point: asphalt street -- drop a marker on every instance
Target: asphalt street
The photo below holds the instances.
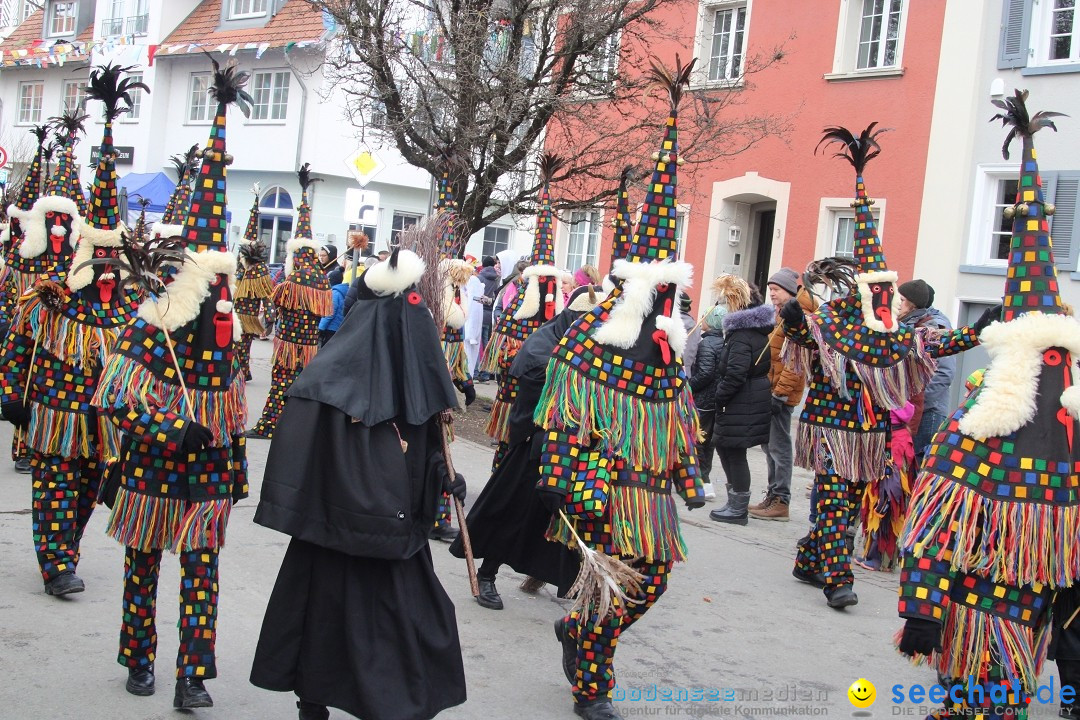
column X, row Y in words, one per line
column 735, row 635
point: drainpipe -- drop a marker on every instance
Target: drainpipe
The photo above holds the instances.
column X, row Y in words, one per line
column 303, row 116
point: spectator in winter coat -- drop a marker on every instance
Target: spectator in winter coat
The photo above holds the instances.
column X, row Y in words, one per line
column 787, row 390
column 330, row 324
column 703, row 385
column 742, row 393
column 693, row 334
column 916, row 300
column 491, row 276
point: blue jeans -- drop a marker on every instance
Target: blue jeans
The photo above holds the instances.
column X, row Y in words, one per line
column 928, row 427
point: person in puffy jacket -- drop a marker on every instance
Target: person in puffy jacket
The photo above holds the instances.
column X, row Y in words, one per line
column 742, row 393
column 329, row 325
column 703, row 384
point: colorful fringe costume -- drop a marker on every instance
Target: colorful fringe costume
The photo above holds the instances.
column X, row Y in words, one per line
column 860, row 363
column 884, row 502
column 253, row 288
column 63, row 333
column 617, row 407
column 172, row 388
column 992, row 529
column 300, row 300
column 539, row 299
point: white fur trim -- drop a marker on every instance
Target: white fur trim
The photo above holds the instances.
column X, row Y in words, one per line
column 582, row 303
column 163, row 230
column 385, row 280
column 34, row 239
column 180, row 303
column 542, row 271
column 864, row 280
column 57, row 203
column 675, row 330
column 638, row 293
column 1006, row 401
column 89, row 238
column 292, row 246
column 1070, row 399
column 223, row 306
column 35, row 235
column 607, row 285
column 530, row 305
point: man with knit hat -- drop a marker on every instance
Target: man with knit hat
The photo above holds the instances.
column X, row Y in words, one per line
column 787, row 390
column 65, row 329
column 173, row 388
column 301, row 300
column 932, row 407
column 620, row 428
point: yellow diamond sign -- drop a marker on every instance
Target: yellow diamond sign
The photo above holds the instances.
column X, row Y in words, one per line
column 364, row 164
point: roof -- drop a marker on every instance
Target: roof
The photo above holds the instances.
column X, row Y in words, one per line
column 296, row 23
column 25, row 46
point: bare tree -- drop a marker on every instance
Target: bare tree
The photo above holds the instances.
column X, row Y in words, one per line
column 475, row 86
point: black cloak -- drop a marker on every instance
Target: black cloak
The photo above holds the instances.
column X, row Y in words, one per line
column 357, row 619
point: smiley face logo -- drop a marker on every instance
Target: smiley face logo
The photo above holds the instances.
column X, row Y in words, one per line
column 862, row 693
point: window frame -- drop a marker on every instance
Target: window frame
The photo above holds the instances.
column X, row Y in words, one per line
column 35, row 113
column 52, row 7
column 592, row 221
column 704, row 36
column 81, row 95
column 136, row 100
column 987, row 178
column 882, row 40
column 848, row 40
column 395, row 232
column 484, row 242
column 271, row 103
column 203, row 77
column 1038, row 38
column 243, row 15
column 604, row 62
column 830, row 210
column 733, row 9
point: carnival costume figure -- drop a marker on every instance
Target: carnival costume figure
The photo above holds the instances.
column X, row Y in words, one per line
column 253, row 287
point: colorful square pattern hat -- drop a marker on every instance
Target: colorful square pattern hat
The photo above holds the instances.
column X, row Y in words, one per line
column 171, row 222
column 305, row 286
column 20, row 211
column 446, row 204
column 251, row 230
column 622, row 224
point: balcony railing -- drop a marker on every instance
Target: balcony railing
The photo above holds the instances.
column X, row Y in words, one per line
column 134, row 25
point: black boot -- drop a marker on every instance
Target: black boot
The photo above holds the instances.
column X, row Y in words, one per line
column 140, row 681
column 841, row 597
column 735, row 512
column 312, row 711
column 815, row 579
column 569, row 650
column 190, row 693
column 597, row 710
column 65, row 583
column 489, row 596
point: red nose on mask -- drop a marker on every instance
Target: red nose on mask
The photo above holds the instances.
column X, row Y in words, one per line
column 223, row 324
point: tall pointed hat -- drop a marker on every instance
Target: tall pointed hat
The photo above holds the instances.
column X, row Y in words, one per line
column 623, row 223
column 1031, row 283
column 64, row 182
column 305, row 286
column 251, row 230
column 171, row 222
column 19, row 210
column 446, row 204
column 205, row 224
column 543, row 248
column 59, row 212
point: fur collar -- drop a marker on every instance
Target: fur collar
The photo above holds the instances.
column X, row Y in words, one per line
column 758, row 317
column 383, row 280
column 623, row 325
column 530, row 304
column 180, row 303
column 1006, row 400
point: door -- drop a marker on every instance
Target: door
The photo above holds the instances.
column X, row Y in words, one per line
column 763, row 251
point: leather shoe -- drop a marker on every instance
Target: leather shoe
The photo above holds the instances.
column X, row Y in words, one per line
column 312, row 711
column 569, row 650
column 842, row 597
column 65, row 583
column 140, row 681
column 489, row 596
column 815, row 579
column 256, row 435
column 22, row 466
column 445, row 533
column 599, row 710
column 190, row 693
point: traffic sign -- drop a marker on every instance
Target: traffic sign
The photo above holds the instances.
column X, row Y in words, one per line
column 362, row 207
column 364, row 165
column 3, row 157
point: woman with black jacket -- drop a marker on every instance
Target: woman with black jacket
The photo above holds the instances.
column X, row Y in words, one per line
column 742, row 392
column 702, row 384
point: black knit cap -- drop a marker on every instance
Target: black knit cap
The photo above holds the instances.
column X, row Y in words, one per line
column 918, row 293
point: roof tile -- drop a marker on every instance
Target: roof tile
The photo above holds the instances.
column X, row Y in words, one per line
column 296, row 21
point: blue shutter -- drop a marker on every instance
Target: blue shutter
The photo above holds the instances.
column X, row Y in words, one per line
column 1063, row 189
column 1015, row 28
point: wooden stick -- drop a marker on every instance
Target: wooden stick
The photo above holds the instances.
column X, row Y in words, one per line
column 179, row 373
column 445, row 419
column 29, row 372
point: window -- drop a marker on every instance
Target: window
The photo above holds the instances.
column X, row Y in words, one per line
column 728, row 43
column 879, row 34
column 869, row 39
column 401, row 223
column 601, row 65
column 114, row 23
column 583, row 237
column 199, row 109
column 996, row 188
column 28, row 9
column 74, row 95
column 1045, row 34
column 247, row 8
column 370, row 230
column 30, row 95
column 844, row 236
column 271, row 94
column 276, row 222
column 139, row 23
column 496, row 239
column 836, row 226
column 136, row 98
column 62, row 18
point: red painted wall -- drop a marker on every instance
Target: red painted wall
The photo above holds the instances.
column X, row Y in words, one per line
column 807, row 31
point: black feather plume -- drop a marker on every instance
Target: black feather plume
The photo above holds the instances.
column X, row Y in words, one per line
column 857, row 150
column 254, row 252
column 228, row 86
column 41, row 132
column 69, row 125
column 304, row 173
column 108, row 86
column 550, row 163
column 836, row 272
column 1018, row 121
column 671, row 82
column 144, row 262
